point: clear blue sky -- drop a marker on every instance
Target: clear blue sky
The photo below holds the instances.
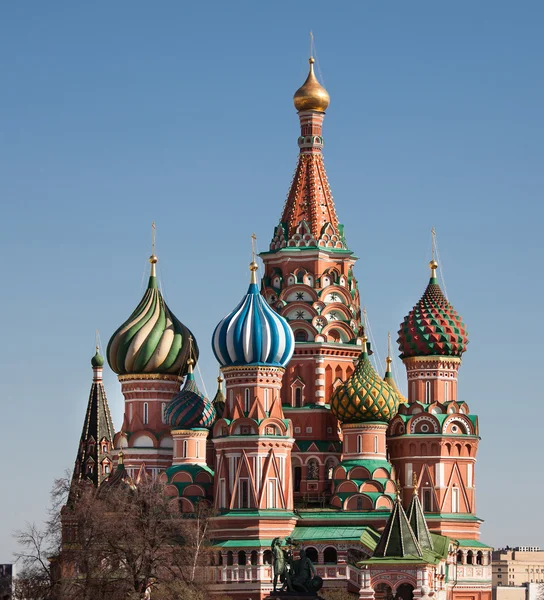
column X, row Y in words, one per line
column 114, row 114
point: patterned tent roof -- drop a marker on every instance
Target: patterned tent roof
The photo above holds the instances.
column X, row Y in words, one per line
column 190, row 409
column 432, row 327
column 398, row 539
column 151, row 340
column 365, row 396
column 253, row 333
column 416, row 517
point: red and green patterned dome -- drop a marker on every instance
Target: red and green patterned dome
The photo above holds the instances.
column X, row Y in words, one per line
column 432, row 327
column 364, row 396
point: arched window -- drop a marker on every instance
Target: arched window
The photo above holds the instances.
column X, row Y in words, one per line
column 146, row 413
column 301, row 336
column 311, row 553
column 230, row 558
column 219, row 558
column 459, row 557
column 330, row 555
column 359, row 504
column 246, row 400
column 313, row 470
column 254, row 557
column 470, row 557
column 242, row 559
column 298, row 396
column 480, row 558
column 427, row 392
column 267, row 557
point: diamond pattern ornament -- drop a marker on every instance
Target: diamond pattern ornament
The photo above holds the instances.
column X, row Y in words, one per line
column 365, row 396
column 432, row 327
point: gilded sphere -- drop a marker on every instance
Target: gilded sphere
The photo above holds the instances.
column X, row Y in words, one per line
column 311, row 95
column 433, row 264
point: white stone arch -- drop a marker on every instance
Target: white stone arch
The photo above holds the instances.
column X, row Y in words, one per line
column 460, row 421
column 434, row 426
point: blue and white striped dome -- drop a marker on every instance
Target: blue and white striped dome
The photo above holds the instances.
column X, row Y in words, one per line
column 253, row 334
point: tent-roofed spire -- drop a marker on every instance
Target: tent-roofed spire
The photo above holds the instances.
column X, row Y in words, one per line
column 93, row 461
column 397, row 539
column 417, row 521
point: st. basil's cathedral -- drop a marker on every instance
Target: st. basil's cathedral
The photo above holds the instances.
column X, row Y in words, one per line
column 307, row 441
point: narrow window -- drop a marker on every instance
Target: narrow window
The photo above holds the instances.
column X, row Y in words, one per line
column 106, row 468
column 246, row 400
column 231, row 399
column 185, row 449
column 446, row 392
column 198, row 449
column 413, row 398
column 146, row 413
column 427, row 501
column 266, row 400
column 244, row 494
column 427, row 392
column 272, row 493
column 359, row 444
column 454, row 500
column 163, row 412
column 223, row 493
column 130, row 412
column 375, row 444
column 298, row 396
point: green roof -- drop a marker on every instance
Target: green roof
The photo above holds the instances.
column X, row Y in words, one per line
column 242, row 544
column 321, row 445
column 472, row 544
column 305, row 534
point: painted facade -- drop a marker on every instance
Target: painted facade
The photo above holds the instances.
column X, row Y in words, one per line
column 308, row 440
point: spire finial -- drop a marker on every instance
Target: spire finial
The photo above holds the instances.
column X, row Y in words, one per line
column 311, row 47
column 388, row 359
column 190, row 360
column 365, row 337
column 398, row 490
column 219, row 381
column 433, row 264
column 120, row 458
column 153, row 259
column 253, row 267
column 414, row 483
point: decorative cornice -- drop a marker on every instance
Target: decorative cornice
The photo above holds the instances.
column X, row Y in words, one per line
column 150, row 376
column 433, row 358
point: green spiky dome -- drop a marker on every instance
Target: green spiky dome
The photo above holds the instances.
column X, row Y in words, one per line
column 432, row 327
column 364, row 396
column 152, row 339
column 97, row 360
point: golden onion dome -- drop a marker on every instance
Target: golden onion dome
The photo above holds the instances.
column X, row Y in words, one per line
column 311, row 95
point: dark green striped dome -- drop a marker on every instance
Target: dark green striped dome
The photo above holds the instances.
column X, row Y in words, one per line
column 152, row 339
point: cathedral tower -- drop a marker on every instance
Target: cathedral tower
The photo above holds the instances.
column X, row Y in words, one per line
column 434, row 438
column 253, row 439
column 149, row 353
column 309, row 281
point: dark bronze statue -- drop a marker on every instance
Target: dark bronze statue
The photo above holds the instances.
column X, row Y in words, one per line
column 294, row 575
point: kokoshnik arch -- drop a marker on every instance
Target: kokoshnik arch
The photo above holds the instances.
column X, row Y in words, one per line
column 307, row 440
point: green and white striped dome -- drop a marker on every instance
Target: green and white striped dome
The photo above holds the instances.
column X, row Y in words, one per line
column 152, row 339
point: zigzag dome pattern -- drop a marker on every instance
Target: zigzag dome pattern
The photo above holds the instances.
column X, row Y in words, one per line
column 432, row 327
column 253, row 333
column 190, row 409
column 152, row 339
column 364, row 396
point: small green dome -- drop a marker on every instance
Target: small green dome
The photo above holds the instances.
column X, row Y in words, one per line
column 97, row 360
column 364, row 396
